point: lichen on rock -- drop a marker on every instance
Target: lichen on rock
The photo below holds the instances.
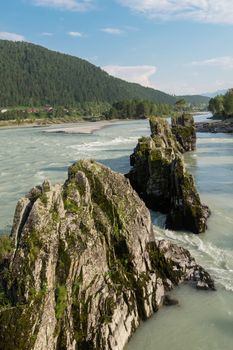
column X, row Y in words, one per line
column 86, row 268
column 161, row 179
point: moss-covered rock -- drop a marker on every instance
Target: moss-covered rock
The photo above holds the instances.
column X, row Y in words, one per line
column 86, row 268
column 160, row 178
column 183, row 127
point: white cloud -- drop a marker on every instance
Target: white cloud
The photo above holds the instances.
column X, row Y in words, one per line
column 174, row 84
column 11, row 36
column 75, row 34
column 71, row 5
column 211, row 11
column 224, row 62
column 133, row 74
column 110, row 30
column 46, row 34
column 198, row 86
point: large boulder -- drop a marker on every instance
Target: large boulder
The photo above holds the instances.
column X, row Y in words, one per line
column 159, row 176
column 86, row 268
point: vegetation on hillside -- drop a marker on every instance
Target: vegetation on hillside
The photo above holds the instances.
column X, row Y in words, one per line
column 33, row 76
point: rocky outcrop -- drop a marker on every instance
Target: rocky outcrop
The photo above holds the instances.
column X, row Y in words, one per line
column 161, row 179
column 221, row 126
column 183, row 127
column 86, row 268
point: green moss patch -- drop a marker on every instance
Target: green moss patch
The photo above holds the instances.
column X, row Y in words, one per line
column 61, row 301
column 6, row 247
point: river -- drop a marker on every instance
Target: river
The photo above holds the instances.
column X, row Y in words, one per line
column 203, row 320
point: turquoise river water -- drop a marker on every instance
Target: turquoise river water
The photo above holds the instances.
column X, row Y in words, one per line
column 203, row 320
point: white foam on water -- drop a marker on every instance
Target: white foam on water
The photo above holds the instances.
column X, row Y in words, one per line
column 95, row 145
column 40, row 175
column 214, row 140
column 218, row 261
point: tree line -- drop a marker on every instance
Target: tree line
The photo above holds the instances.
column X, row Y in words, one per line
column 126, row 109
column 137, row 109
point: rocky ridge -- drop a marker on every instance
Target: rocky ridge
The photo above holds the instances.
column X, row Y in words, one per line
column 159, row 175
column 86, row 268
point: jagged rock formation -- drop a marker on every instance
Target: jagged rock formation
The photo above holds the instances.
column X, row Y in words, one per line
column 86, row 268
column 160, row 178
column 183, row 127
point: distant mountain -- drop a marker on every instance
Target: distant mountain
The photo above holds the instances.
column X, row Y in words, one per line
column 196, row 99
column 215, row 93
column 31, row 75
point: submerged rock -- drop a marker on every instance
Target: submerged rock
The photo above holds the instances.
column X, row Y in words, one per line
column 161, row 179
column 168, row 301
column 183, row 127
column 86, row 268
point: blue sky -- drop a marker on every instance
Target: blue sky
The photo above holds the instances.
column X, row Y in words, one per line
column 178, row 46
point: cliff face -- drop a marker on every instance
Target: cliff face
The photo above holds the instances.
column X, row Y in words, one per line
column 86, row 268
column 183, row 127
column 160, row 178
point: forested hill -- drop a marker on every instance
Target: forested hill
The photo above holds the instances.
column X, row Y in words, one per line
column 31, row 75
column 196, row 99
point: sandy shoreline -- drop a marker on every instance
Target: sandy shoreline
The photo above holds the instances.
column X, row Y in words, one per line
column 83, row 127
column 89, row 128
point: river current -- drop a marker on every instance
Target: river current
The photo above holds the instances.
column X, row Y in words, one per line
column 203, row 320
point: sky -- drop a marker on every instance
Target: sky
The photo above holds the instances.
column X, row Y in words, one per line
column 177, row 46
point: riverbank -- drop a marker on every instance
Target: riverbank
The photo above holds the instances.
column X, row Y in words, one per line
column 29, row 123
column 94, row 124
column 43, row 122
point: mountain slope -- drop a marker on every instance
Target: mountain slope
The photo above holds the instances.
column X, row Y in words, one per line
column 215, row 93
column 196, row 99
column 33, row 75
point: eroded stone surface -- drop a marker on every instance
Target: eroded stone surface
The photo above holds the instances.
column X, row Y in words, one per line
column 161, row 179
column 86, row 269
column 183, row 127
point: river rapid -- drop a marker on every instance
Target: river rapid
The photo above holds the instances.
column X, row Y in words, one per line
column 203, row 320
